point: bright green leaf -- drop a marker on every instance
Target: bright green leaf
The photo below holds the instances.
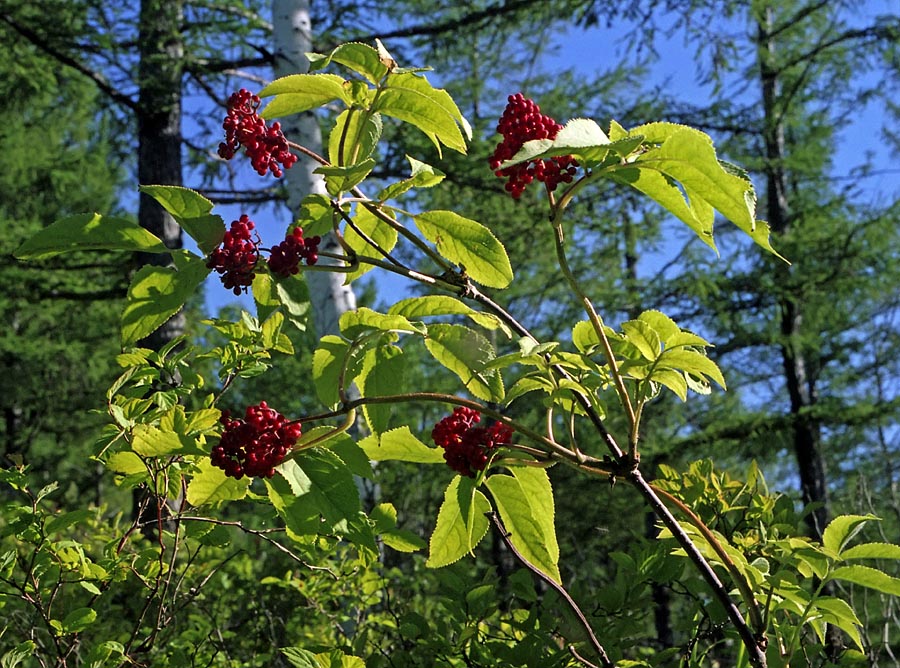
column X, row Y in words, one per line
column 211, row 485
column 382, row 374
column 157, row 293
column 301, row 92
column 842, row 529
column 89, row 231
column 354, row 137
column 525, row 503
column 468, row 244
column 872, row 551
column 422, row 176
column 866, row 576
column 464, row 352
column 375, row 230
column 400, row 445
column 360, row 58
column 362, row 320
column 149, row 441
column 412, row 99
column 461, row 523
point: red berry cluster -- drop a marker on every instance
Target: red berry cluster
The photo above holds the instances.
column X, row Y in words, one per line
column 236, row 257
column 523, row 121
column 467, row 448
column 266, row 146
column 256, row 444
column 284, row 259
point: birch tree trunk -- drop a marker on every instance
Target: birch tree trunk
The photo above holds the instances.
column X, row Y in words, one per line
column 292, row 34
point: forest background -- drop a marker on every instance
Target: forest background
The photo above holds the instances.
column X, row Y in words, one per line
column 810, row 351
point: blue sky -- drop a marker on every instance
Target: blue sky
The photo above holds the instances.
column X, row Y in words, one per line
column 592, row 51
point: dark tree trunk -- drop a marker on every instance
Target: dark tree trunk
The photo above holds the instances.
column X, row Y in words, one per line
column 801, row 387
column 159, row 163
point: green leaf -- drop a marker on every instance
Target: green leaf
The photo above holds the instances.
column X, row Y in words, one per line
column 469, row 244
column 525, row 503
column 360, row 58
column 872, row 551
column 211, row 485
column 328, row 362
column 301, row 92
column 666, row 193
column 294, row 297
column 838, row 612
column 331, row 487
column 298, row 657
column 355, row 323
column 842, row 529
column 400, row 445
column 412, row 99
column 580, row 137
column 433, row 305
column 643, row 337
column 461, row 523
column 78, row 620
column 866, row 576
column 691, row 362
column 89, row 231
column 149, row 441
column 422, row 176
column 688, row 156
column 403, row 540
column 354, row 137
column 383, row 372
column 17, row 654
column 126, row 463
column 375, row 229
column 464, row 352
column 342, row 179
column 157, row 293
column 316, row 215
column 180, row 202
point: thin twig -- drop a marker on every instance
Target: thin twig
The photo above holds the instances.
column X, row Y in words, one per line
column 559, row 589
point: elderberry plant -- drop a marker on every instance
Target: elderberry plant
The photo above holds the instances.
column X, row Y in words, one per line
column 747, row 593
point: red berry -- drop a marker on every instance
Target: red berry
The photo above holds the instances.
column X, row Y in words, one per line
column 284, row 259
column 266, row 146
column 236, row 257
column 256, row 444
column 467, row 448
column 523, row 121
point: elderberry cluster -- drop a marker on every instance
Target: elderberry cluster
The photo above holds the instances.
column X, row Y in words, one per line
column 523, row 121
column 266, row 146
column 467, row 448
column 284, row 258
column 255, row 444
column 236, row 257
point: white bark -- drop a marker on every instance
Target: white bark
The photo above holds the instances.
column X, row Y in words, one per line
column 292, row 34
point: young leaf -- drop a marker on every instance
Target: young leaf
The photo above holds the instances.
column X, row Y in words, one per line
column 360, row 58
column 301, row 92
column 400, row 445
column 342, row 179
column 464, row 352
column 469, row 244
column 422, row 176
column 156, row 293
column 89, row 231
column 525, row 503
column 461, row 523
